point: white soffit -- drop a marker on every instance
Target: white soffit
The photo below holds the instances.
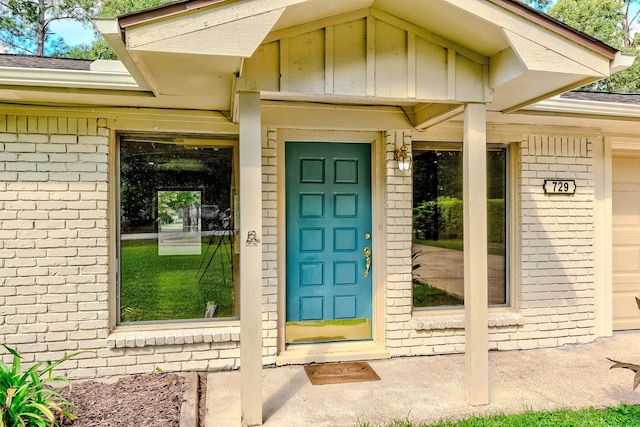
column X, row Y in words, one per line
column 317, row 10
column 238, row 38
column 528, row 71
column 536, row 57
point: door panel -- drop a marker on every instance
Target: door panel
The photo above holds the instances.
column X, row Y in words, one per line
column 626, row 241
column 328, row 227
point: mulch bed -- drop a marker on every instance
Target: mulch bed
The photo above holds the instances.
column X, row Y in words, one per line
column 152, row 400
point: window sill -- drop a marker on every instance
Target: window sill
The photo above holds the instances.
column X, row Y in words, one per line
column 456, row 321
column 127, row 337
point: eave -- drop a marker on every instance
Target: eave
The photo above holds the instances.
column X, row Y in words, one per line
column 575, row 107
column 91, row 79
column 191, row 54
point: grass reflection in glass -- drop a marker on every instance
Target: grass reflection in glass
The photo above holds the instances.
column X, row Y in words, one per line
column 174, row 287
column 425, row 295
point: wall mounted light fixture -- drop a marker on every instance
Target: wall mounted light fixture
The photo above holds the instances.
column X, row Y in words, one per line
column 403, row 157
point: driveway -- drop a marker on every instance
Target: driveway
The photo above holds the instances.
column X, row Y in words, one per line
column 444, row 269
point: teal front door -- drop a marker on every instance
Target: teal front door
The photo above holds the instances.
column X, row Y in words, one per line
column 328, row 214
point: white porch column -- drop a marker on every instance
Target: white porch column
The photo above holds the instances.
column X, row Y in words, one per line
column 250, row 259
column 475, row 254
column 603, row 241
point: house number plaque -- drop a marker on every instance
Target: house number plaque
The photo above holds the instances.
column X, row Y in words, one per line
column 559, row 186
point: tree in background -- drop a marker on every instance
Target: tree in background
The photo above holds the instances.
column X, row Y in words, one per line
column 609, row 21
column 99, row 49
column 539, row 4
column 24, row 24
column 113, row 8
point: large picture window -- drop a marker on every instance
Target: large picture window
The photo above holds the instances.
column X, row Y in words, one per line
column 176, row 241
column 437, row 249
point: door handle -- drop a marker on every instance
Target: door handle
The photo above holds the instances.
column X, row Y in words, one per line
column 367, row 258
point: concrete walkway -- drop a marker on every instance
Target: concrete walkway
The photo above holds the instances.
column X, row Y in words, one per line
column 425, row 389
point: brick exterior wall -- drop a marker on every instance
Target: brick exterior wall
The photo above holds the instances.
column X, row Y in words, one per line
column 53, row 237
column 54, row 257
column 553, row 299
column 54, row 265
column 557, row 292
column 269, row 248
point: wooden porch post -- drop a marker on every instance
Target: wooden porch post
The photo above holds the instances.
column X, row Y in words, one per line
column 250, row 259
column 475, row 254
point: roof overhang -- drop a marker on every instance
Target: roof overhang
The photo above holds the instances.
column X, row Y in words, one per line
column 188, row 54
column 107, row 75
column 568, row 107
column 531, row 57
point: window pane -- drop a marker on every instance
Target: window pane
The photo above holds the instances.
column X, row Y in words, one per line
column 176, row 241
column 497, row 225
column 437, row 250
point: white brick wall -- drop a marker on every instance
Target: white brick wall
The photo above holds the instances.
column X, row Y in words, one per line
column 269, row 248
column 557, row 292
column 555, row 303
column 54, row 266
column 398, row 213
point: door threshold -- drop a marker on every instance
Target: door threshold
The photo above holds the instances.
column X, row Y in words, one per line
column 298, row 354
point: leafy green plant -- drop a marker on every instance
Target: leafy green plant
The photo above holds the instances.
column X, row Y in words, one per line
column 631, row 366
column 27, row 398
column 131, row 314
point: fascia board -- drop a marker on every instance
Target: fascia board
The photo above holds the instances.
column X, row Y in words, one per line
column 67, row 78
column 110, row 30
column 622, row 61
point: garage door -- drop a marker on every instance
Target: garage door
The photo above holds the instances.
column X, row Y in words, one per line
column 626, row 241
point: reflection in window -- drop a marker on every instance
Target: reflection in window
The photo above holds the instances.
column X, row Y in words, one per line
column 437, row 250
column 179, row 223
column 177, row 259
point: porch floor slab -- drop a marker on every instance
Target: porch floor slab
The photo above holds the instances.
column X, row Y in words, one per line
column 430, row 388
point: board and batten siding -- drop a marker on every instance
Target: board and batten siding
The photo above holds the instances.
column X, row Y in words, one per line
column 374, row 55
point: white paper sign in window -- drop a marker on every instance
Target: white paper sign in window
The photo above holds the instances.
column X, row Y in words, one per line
column 179, row 224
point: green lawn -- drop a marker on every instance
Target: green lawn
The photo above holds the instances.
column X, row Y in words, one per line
column 425, row 295
column 169, row 287
column 618, row 416
column 446, row 244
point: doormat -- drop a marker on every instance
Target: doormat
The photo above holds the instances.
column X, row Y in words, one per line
column 336, row 373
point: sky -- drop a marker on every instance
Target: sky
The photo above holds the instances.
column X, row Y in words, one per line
column 73, row 32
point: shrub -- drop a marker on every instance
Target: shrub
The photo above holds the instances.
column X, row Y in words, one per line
column 27, row 398
column 451, row 221
column 443, row 219
column 496, row 225
column 425, row 220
